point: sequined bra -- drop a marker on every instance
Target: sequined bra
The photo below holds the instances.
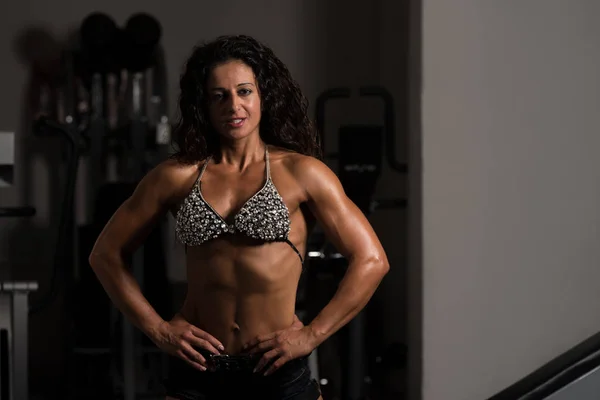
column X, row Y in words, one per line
column 264, row 216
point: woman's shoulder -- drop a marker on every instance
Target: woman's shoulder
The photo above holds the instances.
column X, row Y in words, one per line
column 287, row 156
column 174, row 176
column 174, row 169
column 296, row 163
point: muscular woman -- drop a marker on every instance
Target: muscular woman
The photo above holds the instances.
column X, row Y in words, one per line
column 244, row 186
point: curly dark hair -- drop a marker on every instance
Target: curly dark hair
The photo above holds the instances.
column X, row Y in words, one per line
column 284, row 121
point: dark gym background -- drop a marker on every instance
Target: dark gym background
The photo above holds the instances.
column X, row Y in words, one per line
column 325, row 44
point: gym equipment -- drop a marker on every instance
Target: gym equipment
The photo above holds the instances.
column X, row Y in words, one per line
column 388, row 117
column 99, row 54
column 60, row 269
column 113, row 112
column 7, row 158
column 129, row 122
column 14, row 302
column 360, row 162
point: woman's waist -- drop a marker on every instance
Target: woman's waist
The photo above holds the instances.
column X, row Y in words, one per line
column 236, row 321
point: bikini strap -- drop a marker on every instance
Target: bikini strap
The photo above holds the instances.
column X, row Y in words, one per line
column 267, row 161
column 288, row 241
column 202, row 171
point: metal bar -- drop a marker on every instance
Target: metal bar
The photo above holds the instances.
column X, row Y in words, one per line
column 130, row 336
column 96, row 132
column 128, row 361
column 357, row 359
column 4, row 365
column 18, row 356
column 20, row 314
column 138, row 140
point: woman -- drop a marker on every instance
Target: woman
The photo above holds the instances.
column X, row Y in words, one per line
column 244, row 187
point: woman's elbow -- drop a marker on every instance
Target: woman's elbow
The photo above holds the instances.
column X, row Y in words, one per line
column 101, row 257
column 382, row 266
column 377, row 266
column 96, row 259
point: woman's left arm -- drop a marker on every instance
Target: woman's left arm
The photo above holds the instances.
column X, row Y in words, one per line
column 351, row 233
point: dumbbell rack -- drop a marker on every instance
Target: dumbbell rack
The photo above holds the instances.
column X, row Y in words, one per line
column 101, row 49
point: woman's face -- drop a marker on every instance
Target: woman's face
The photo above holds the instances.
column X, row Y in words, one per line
column 234, row 101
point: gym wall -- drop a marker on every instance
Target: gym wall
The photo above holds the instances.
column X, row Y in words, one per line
column 324, row 43
column 511, row 188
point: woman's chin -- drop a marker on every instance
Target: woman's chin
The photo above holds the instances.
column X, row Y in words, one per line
column 236, row 134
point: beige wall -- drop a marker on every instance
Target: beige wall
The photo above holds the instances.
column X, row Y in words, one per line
column 511, row 187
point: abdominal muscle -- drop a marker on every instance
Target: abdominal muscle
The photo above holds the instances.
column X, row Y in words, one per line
column 237, row 291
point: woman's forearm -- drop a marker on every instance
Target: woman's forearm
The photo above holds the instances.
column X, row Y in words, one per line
column 354, row 292
column 124, row 291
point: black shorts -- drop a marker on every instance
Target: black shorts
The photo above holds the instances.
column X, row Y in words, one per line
column 232, row 378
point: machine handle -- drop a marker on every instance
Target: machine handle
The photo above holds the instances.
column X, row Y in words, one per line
column 45, row 126
column 322, row 99
column 389, row 125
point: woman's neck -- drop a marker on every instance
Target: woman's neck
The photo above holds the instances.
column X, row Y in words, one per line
column 241, row 153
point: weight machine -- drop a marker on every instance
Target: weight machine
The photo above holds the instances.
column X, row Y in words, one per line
column 16, row 309
column 361, row 149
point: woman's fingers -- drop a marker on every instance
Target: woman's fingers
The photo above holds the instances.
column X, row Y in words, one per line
column 197, row 332
column 203, row 344
column 192, row 353
column 192, row 356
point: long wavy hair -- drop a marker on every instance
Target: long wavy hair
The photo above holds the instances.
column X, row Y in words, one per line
column 284, row 119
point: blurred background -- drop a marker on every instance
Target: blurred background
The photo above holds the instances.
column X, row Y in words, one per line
column 466, row 131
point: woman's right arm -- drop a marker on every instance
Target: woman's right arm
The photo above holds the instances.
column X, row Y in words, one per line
column 121, row 237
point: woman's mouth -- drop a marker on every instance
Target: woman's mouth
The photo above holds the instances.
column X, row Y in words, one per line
column 235, row 123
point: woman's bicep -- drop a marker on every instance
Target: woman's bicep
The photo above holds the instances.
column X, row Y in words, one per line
column 135, row 218
column 343, row 222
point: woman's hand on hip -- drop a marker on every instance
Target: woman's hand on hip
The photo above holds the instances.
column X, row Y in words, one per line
column 279, row 347
column 178, row 337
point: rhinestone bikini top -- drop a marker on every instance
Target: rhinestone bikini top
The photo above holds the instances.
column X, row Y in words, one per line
column 264, row 216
